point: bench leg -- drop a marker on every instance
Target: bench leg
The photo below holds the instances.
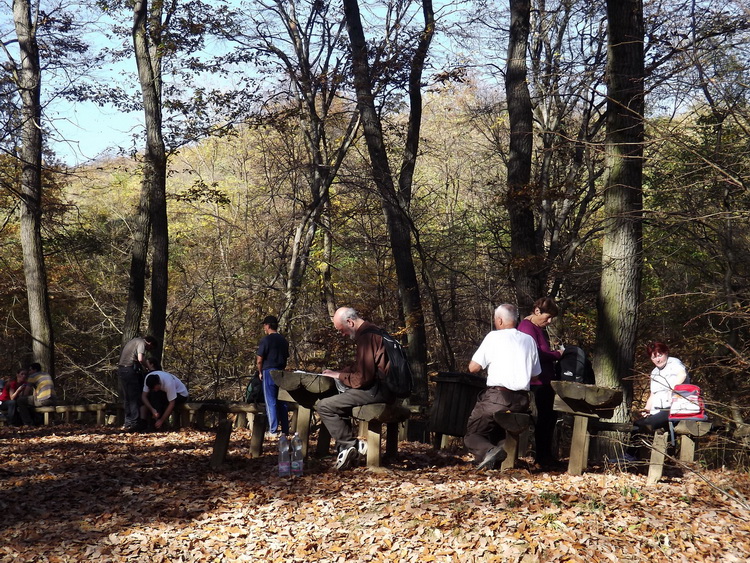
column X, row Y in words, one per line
column 687, row 448
column 392, row 435
column 241, row 420
column 579, row 446
column 304, row 417
column 511, row 449
column 221, row 444
column 373, row 443
column 256, row 438
column 100, row 417
column 656, row 463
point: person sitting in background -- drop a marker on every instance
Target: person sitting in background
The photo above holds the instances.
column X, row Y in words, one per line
column 43, row 393
column 512, row 361
column 162, row 392
column 667, row 373
column 358, row 384
column 13, row 389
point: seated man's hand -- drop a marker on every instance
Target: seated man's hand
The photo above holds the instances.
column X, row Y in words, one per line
column 331, row 373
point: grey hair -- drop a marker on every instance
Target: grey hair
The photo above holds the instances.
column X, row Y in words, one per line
column 507, row 312
column 347, row 313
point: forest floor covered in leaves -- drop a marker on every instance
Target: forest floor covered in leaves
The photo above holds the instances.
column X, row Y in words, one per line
column 72, row 493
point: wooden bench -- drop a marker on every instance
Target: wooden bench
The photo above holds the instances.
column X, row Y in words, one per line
column 66, row 412
column 371, row 419
column 686, row 430
column 515, row 425
column 193, row 414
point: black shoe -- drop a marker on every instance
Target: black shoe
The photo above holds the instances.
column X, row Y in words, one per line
column 347, row 458
column 493, row 456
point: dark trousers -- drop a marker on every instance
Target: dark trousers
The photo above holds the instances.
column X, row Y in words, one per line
column 482, row 432
column 645, row 427
column 336, row 411
column 132, row 387
column 10, row 407
column 544, row 427
column 159, row 401
column 26, row 406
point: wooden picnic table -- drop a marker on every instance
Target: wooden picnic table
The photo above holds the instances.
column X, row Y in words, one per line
column 584, row 402
column 305, row 388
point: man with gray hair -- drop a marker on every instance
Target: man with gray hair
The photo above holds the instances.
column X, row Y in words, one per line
column 359, row 384
column 512, row 360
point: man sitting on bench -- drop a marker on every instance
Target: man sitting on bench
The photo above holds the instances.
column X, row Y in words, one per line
column 512, row 360
column 358, row 384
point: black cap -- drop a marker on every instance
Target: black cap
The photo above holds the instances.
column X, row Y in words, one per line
column 270, row 320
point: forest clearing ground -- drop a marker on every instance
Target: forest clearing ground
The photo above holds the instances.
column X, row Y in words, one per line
column 72, row 493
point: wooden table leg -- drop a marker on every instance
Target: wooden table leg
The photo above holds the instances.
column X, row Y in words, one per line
column 304, row 417
column 579, row 446
column 656, row 463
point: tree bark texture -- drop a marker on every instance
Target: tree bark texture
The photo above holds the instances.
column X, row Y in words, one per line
column 395, row 206
column 619, row 293
column 527, row 262
column 152, row 212
column 29, row 77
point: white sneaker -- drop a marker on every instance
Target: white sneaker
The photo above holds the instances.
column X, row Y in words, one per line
column 362, row 447
column 346, row 458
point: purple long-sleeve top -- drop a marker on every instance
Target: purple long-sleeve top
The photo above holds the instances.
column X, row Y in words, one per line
column 547, row 356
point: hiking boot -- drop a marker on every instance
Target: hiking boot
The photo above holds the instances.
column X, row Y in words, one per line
column 346, row 458
column 493, row 456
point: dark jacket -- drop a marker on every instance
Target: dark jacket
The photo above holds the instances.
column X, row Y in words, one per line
column 371, row 359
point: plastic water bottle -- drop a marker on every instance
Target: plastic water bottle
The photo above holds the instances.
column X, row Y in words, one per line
column 297, row 463
column 284, row 465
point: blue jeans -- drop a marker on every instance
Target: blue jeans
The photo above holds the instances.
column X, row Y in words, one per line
column 277, row 411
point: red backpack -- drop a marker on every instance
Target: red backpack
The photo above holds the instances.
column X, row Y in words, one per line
column 687, row 403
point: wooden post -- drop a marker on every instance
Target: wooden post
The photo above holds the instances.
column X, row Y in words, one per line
column 373, row 442
column 221, row 444
column 256, row 438
column 579, row 446
column 656, row 463
column 304, row 416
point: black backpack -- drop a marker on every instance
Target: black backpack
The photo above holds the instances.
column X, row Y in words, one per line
column 398, row 376
column 254, row 391
column 575, row 366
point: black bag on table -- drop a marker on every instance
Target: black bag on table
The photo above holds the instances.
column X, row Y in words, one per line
column 575, row 366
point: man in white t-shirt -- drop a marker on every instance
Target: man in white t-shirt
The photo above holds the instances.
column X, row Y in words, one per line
column 162, row 392
column 512, row 360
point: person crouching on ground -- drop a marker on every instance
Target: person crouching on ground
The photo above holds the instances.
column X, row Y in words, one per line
column 512, row 360
column 162, row 393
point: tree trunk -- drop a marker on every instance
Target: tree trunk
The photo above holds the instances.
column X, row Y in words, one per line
column 29, row 77
column 526, row 258
column 395, row 206
column 619, row 292
column 148, row 60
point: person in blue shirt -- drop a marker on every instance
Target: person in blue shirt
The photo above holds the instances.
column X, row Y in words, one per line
column 273, row 352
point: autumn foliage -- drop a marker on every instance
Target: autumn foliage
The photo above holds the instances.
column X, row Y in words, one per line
column 95, row 494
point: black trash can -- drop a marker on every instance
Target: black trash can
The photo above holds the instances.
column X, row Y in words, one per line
column 455, row 397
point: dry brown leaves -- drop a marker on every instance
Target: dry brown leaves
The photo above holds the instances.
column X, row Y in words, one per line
column 75, row 494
